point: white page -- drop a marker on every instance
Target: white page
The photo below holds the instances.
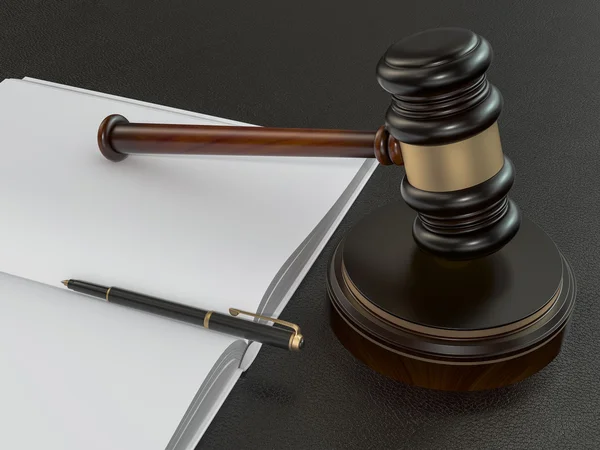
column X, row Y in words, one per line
column 78, row 373
column 207, row 231
column 202, row 118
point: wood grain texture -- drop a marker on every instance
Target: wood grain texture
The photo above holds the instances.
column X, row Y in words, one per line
column 448, row 326
column 439, row 376
column 117, row 135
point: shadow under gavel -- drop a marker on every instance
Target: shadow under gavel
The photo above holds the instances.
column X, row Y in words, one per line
column 118, row 138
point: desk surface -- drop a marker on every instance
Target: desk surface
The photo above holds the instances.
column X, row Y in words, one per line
column 311, row 63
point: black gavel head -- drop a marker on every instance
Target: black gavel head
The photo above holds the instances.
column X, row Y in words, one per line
column 444, row 113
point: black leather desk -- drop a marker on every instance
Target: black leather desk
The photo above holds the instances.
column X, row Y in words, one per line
column 311, row 63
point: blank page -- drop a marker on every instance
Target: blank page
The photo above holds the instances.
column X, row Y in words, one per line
column 206, row 231
column 78, row 373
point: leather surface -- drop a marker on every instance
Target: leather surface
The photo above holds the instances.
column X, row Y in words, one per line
column 312, row 64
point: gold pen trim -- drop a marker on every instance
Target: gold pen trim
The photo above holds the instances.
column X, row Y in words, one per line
column 296, row 338
column 207, row 318
column 108, row 292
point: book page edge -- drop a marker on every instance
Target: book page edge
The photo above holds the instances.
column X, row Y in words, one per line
column 208, row 400
column 222, row 120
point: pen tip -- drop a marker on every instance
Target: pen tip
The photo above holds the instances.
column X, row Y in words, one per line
column 65, row 282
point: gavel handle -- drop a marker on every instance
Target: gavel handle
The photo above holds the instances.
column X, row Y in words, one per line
column 118, row 138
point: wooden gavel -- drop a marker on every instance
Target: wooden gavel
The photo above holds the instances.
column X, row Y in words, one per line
column 441, row 126
column 117, row 138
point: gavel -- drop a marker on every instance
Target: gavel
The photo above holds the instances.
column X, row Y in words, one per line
column 479, row 296
column 441, row 126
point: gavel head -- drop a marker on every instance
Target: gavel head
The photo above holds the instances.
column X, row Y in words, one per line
column 444, row 113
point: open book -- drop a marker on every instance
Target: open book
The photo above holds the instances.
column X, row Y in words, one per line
column 208, row 231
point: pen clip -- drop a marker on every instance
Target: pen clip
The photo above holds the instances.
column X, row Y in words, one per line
column 296, row 340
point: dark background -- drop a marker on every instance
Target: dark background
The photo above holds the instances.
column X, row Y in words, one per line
column 311, row 63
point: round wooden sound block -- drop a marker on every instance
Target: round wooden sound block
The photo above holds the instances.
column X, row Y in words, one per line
column 448, row 325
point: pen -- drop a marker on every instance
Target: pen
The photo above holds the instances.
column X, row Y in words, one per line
column 288, row 338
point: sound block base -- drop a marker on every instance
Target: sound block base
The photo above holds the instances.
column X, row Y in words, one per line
column 458, row 326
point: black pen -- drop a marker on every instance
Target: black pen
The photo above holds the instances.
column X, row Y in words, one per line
column 288, row 338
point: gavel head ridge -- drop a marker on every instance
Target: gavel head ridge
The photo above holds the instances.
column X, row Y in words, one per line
column 444, row 114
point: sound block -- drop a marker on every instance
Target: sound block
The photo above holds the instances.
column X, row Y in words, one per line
column 448, row 325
